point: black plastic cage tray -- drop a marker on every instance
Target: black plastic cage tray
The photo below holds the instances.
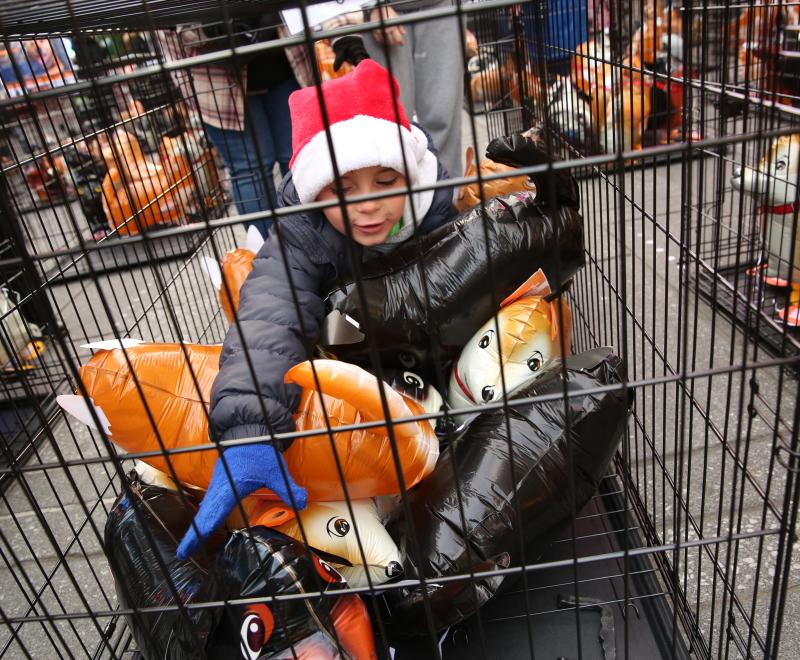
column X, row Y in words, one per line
column 753, row 305
column 544, row 616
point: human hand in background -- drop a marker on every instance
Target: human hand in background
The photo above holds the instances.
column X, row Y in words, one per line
column 391, row 35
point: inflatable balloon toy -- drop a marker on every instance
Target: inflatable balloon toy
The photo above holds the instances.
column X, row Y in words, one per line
column 775, row 182
column 234, row 269
column 190, row 169
column 141, row 537
column 166, row 377
column 545, row 440
column 555, row 186
column 622, row 106
column 470, row 193
column 326, row 58
column 137, row 193
column 570, row 115
column 512, row 348
column 451, row 265
column 591, row 65
column 357, row 546
column 166, row 373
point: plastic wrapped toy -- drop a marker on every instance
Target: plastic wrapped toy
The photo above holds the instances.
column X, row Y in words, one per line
column 539, row 435
column 451, row 265
column 166, row 374
column 261, row 563
column 529, row 338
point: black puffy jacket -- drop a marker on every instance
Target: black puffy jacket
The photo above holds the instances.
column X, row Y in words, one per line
column 276, row 336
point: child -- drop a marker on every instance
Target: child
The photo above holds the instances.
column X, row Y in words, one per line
column 249, row 398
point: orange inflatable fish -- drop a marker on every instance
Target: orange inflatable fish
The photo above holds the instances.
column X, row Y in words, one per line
column 234, row 269
column 175, row 382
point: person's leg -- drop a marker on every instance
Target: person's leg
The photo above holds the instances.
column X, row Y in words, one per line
column 240, row 156
column 276, row 105
column 438, row 86
column 265, row 174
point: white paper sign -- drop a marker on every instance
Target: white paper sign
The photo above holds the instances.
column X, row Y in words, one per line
column 317, row 13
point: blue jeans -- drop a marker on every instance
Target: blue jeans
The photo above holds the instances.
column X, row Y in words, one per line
column 269, row 128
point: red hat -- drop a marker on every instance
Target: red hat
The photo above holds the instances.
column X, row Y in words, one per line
column 364, row 128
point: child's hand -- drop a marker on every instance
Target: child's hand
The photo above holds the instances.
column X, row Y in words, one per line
column 251, row 467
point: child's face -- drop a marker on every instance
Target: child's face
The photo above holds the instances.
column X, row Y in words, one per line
column 372, row 220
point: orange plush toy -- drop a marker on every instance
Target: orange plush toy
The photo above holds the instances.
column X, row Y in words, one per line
column 174, row 381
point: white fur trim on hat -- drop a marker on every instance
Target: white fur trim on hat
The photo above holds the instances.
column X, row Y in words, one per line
column 427, row 174
column 361, row 141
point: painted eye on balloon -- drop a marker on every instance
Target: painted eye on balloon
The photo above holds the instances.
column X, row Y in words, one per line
column 535, row 361
column 257, row 627
column 410, row 378
column 483, row 342
column 338, row 527
column 326, row 571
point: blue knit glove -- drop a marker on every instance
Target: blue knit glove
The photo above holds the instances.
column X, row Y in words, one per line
column 251, row 467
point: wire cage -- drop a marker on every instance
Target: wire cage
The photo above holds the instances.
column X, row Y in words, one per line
column 635, row 496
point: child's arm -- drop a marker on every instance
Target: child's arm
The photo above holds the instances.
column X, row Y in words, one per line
column 276, row 339
column 249, row 398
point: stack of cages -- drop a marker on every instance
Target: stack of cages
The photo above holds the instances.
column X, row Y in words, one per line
column 564, row 425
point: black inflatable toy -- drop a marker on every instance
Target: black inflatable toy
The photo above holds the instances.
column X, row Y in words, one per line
column 528, row 149
column 524, row 232
column 488, row 535
column 451, row 264
column 243, row 564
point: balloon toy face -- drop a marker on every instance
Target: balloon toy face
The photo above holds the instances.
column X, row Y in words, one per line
column 412, row 385
column 257, row 565
column 257, row 626
column 512, row 350
column 330, row 528
column 776, row 175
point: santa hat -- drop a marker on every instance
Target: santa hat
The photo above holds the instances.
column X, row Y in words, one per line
column 364, row 123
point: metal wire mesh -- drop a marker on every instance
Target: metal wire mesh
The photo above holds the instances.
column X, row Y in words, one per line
column 685, row 548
